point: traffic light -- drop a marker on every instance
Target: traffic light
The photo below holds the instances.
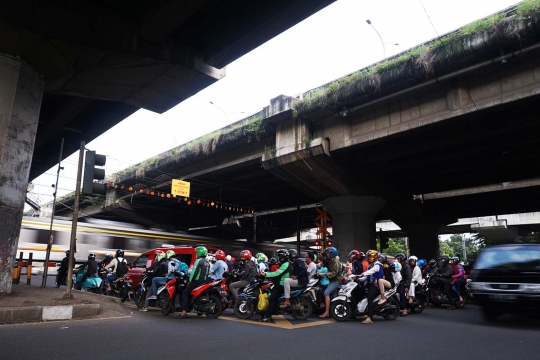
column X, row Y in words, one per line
column 328, row 243
column 91, row 172
column 317, row 243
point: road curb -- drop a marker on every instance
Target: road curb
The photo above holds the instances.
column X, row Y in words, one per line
column 47, row 313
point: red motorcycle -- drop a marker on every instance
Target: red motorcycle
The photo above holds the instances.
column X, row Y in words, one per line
column 206, row 299
column 171, row 291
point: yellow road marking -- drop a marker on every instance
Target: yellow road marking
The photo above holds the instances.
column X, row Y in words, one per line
column 279, row 322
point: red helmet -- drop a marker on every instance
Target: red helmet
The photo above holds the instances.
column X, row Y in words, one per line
column 354, row 255
column 220, row 255
column 245, row 254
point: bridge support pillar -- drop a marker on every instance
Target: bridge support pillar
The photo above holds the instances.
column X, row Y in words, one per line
column 21, row 91
column 423, row 239
column 353, row 222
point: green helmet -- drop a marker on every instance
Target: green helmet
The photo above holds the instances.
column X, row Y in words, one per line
column 159, row 255
column 201, row 251
column 261, row 257
column 169, row 253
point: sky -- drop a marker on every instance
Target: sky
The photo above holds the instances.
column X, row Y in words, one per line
column 332, row 43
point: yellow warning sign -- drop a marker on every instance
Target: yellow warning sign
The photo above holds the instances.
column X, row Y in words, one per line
column 180, row 188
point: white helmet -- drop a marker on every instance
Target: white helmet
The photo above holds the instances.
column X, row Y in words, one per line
column 413, row 258
column 108, row 253
column 228, row 257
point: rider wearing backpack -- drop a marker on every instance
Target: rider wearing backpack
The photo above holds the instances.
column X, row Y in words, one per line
column 119, row 265
column 198, row 276
column 298, row 277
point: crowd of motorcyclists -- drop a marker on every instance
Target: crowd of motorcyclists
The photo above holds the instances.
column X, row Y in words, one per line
column 376, row 273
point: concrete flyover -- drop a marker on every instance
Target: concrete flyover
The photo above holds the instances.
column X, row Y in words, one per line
column 459, row 112
column 74, row 69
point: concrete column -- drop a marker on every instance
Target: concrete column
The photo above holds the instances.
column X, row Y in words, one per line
column 423, row 239
column 21, row 91
column 353, row 222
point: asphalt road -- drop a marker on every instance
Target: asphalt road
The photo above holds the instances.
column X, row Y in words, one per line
column 436, row 333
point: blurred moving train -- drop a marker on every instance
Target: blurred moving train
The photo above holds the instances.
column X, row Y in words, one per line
column 100, row 236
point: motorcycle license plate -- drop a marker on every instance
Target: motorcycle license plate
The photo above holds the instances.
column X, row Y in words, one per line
column 502, row 297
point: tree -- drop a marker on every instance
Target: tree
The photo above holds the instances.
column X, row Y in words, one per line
column 395, row 245
column 454, row 246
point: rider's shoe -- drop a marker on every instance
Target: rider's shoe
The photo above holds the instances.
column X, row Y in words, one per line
column 144, row 309
column 265, row 319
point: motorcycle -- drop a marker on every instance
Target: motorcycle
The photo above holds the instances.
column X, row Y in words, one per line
column 420, row 299
column 352, row 301
column 206, row 298
column 227, row 299
column 302, row 300
column 91, row 284
column 120, row 286
column 435, row 292
column 168, row 294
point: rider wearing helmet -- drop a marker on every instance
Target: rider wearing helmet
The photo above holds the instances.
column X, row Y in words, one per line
column 261, row 262
column 220, row 266
column 458, row 276
column 91, row 267
column 119, row 265
column 374, row 274
column 249, row 274
column 298, row 277
column 387, row 282
column 62, row 270
column 445, row 274
column 405, row 283
column 431, row 268
column 198, row 276
column 228, row 260
column 273, row 264
column 107, row 259
column 282, row 273
column 334, row 275
column 161, row 268
column 416, row 276
column 357, row 267
column 395, row 268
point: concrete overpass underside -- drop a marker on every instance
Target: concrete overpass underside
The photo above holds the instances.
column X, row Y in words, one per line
column 369, row 144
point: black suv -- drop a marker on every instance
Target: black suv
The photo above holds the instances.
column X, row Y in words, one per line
column 506, row 279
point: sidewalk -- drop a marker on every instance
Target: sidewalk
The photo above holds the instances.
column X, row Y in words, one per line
column 30, row 303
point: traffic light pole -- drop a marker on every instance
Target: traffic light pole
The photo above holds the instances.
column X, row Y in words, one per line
column 51, row 234
column 69, row 279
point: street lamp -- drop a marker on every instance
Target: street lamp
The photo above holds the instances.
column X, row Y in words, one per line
column 380, row 37
column 225, row 114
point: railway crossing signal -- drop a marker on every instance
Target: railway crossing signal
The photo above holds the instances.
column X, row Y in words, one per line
column 323, row 223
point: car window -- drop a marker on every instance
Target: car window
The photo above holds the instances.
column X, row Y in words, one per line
column 516, row 258
column 185, row 258
column 141, row 261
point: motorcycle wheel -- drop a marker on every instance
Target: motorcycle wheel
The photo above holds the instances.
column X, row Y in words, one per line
column 166, row 305
column 124, row 292
column 305, row 311
column 418, row 309
column 395, row 311
column 434, row 300
column 340, row 310
column 217, row 308
column 138, row 297
column 244, row 309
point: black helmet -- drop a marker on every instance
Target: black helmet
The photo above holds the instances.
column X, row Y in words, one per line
column 400, row 256
column 444, row 260
column 273, row 261
column 362, row 256
column 68, row 252
column 383, row 258
column 455, row 259
column 282, row 255
column 91, row 256
column 119, row 253
column 293, row 254
column 432, row 262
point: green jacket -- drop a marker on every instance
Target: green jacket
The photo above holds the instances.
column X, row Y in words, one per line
column 283, row 270
column 199, row 273
column 334, row 270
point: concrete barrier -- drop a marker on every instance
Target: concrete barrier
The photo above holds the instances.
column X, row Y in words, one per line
column 47, row 313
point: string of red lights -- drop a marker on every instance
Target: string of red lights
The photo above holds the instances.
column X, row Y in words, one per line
column 187, row 200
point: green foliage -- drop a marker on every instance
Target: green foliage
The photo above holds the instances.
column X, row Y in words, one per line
column 174, row 151
column 395, row 245
column 454, row 246
column 528, row 8
column 482, row 24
